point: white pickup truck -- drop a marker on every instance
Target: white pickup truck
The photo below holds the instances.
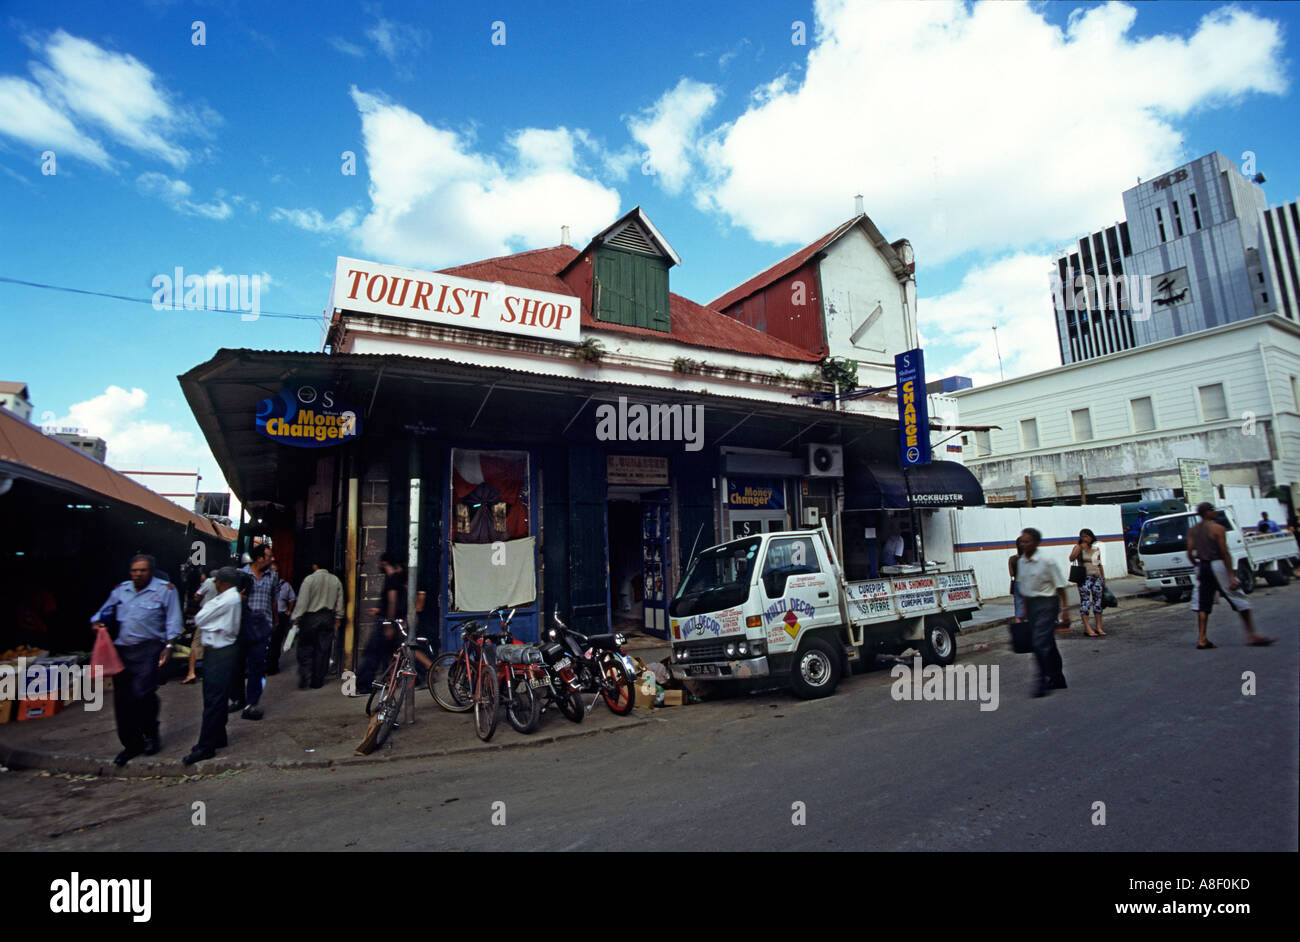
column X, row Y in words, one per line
column 1162, row 549
column 776, row 605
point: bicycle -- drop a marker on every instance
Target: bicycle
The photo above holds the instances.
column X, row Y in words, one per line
column 388, row 695
column 481, row 676
column 517, row 672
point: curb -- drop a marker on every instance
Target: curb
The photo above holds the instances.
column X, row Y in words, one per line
column 16, row 758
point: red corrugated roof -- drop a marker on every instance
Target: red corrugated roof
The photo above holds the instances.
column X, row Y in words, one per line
column 26, row 447
column 779, row 270
column 692, row 324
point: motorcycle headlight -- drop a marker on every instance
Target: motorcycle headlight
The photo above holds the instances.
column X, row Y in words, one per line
column 552, row 634
column 620, row 638
column 731, row 649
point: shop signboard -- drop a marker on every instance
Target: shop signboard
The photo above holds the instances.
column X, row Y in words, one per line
column 1194, row 475
column 389, row 291
column 913, row 409
column 643, row 470
column 307, row 417
column 750, row 493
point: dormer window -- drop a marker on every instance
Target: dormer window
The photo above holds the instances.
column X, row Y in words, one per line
column 631, row 262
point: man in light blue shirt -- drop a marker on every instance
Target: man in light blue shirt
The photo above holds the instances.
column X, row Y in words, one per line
column 147, row 613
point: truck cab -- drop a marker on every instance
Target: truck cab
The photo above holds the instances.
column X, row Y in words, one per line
column 1162, row 549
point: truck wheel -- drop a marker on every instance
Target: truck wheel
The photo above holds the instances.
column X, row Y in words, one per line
column 816, row 670
column 939, row 646
column 1279, row 576
column 1246, row 576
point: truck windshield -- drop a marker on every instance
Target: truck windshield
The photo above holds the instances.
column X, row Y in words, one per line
column 718, row 578
column 1164, row 536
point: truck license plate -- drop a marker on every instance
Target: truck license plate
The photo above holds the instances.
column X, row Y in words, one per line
column 1183, row 580
column 695, row 670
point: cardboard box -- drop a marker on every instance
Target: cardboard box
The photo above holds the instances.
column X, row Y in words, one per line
column 674, row 698
column 39, row 708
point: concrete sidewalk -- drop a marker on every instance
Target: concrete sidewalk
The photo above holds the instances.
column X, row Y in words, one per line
column 301, row 728
column 321, row 728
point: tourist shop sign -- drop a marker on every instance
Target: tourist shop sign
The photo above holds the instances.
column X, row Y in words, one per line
column 388, row 291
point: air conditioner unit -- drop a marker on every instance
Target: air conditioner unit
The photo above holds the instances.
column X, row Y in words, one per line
column 826, row 461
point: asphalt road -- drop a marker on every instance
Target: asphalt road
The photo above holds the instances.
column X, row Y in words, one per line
column 1160, row 733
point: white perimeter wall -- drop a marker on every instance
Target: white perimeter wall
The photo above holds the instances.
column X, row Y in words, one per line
column 1247, row 510
column 981, row 538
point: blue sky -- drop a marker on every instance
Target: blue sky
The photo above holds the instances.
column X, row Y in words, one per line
column 988, row 135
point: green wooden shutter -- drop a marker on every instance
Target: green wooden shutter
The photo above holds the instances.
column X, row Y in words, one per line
column 633, row 289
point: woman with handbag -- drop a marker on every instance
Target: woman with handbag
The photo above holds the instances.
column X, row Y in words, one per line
column 1086, row 572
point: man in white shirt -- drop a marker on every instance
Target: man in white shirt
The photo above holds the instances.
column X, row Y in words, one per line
column 206, row 591
column 219, row 621
column 1041, row 584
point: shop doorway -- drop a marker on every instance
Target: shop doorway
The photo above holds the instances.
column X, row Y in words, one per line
column 640, row 571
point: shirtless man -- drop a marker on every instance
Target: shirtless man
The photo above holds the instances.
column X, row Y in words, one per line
column 1207, row 549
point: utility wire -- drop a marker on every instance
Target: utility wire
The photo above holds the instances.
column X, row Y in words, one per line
column 149, row 301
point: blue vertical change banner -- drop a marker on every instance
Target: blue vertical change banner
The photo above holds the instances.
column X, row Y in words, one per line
column 913, row 409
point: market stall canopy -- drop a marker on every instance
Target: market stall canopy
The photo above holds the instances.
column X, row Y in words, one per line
column 938, row 484
column 27, row 453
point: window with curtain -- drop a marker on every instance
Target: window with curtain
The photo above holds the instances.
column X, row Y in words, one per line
column 492, row 547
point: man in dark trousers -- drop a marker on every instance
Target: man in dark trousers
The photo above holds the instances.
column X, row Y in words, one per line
column 219, row 620
column 318, row 615
column 147, row 613
column 1207, row 549
column 257, row 632
column 383, row 640
column 1041, row 584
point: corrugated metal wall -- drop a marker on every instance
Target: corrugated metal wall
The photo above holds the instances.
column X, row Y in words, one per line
column 789, row 309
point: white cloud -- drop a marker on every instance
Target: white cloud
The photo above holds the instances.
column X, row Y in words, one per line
column 669, row 130
column 347, row 48
column 435, row 201
column 79, row 83
column 1012, row 293
column 399, row 43
column 115, row 91
column 26, row 116
column 311, row 220
column 965, row 127
column 135, row 441
column 176, row 194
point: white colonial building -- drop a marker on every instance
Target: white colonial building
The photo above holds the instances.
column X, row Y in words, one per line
column 1112, row 427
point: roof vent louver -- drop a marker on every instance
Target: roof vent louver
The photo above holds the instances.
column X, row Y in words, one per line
column 634, row 239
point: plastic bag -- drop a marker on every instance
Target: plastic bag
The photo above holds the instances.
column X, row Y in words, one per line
column 104, row 654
